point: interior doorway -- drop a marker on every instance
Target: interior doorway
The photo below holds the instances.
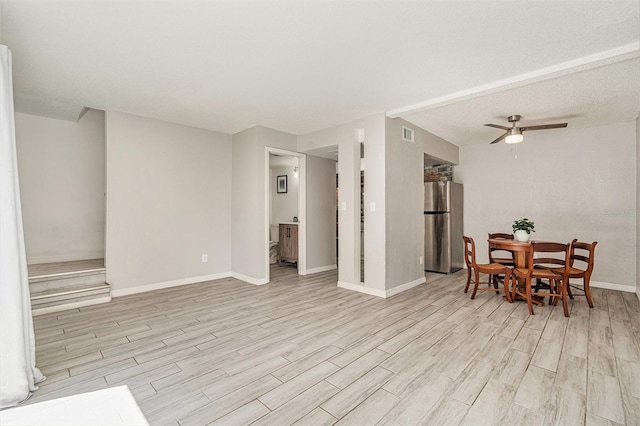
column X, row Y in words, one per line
column 285, row 171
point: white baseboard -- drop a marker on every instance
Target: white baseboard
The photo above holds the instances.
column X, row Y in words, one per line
column 382, row 293
column 610, row 286
column 405, row 286
column 186, row 281
column 73, row 305
column 167, row 284
column 321, row 269
column 35, row 260
column 362, row 289
column 250, row 280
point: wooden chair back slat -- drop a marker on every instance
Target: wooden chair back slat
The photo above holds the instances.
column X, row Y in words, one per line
column 587, row 258
column 502, row 254
column 584, row 254
column 474, row 269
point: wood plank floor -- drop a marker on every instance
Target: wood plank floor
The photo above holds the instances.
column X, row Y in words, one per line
column 303, row 351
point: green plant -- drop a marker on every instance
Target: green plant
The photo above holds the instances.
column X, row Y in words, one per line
column 523, row 224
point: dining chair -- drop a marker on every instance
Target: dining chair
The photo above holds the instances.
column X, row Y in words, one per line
column 474, row 270
column 551, row 262
column 584, row 253
column 521, row 272
column 504, row 257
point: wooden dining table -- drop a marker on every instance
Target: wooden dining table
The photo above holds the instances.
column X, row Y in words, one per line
column 519, row 257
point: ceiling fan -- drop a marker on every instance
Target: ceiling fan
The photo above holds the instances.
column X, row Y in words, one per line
column 514, row 134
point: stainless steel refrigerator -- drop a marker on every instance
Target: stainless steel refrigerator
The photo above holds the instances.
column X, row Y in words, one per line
column 443, row 248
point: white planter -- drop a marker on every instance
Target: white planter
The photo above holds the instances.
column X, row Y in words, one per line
column 521, row 235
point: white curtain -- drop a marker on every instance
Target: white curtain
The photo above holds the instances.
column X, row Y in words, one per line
column 18, row 372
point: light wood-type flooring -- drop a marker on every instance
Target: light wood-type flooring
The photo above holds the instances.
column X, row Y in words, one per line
column 300, row 350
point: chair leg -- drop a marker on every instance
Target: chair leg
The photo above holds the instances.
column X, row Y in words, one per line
column 507, row 279
column 466, row 287
column 587, row 291
column 563, row 292
column 569, row 291
column 538, row 284
column 553, row 287
column 475, row 285
column 529, row 298
column 553, row 300
column 495, row 279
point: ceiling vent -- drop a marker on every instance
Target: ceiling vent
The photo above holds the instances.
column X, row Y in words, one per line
column 407, row 134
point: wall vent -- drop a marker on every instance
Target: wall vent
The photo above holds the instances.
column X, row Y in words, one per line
column 407, row 134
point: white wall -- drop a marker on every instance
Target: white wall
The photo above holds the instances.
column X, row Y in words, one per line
column 434, row 145
column 168, row 202
column 249, row 245
column 321, row 213
column 61, row 168
column 284, row 206
column 404, row 205
column 573, row 183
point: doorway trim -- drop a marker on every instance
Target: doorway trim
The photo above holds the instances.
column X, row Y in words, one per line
column 302, row 208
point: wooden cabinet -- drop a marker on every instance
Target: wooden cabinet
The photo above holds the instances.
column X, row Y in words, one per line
column 288, row 243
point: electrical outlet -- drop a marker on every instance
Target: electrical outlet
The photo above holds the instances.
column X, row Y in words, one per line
column 205, row 258
column 343, row 205
column 421, row 260
column 372, row 206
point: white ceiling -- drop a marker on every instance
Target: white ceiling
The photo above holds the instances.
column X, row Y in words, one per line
column 303, row 66
column 282, row 161
column 603, row 95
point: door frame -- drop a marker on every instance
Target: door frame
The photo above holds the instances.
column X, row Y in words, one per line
column 302, row 208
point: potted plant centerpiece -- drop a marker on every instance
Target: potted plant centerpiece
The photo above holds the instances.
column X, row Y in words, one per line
column 522, row 229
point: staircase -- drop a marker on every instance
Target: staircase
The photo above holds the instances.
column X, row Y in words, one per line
column 60, row 286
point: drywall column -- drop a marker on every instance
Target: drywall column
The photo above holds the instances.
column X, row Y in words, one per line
column 372, row 128
column 404, row 165
column 321, row 214
column 376, row 249
column 348, row 207
column 346, row 136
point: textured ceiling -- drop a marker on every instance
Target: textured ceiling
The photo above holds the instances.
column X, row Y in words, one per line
column 304, row 66
column 604, row 95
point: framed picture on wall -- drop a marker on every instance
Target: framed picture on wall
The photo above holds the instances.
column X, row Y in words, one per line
column 282, row 184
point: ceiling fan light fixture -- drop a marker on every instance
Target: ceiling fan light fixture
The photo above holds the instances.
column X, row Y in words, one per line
column 515, row 136
column 514, row 139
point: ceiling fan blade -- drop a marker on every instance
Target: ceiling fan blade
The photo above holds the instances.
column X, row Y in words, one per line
column 544, row 126
column 500, row 138
column 498, row 126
